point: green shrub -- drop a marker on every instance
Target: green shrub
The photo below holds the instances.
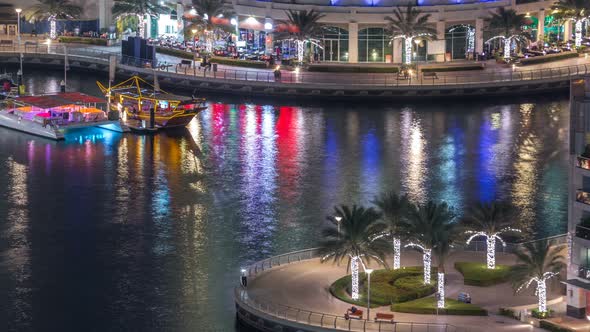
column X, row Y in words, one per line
column 351, row 69
column 550, row 326
column 387, row 286
column 83, row 40
column 477, row 274
column 176, row 53
column 542, row 315
column 452, row 68
column 508, row 313
column 548, row 58
column 427, row 305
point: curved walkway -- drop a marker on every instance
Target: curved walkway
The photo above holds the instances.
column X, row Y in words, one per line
column 305, row 285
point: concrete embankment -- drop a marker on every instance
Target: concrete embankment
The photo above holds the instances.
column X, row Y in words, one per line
column 344, row 91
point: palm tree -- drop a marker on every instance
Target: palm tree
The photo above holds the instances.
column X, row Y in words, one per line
column 539, row 261
column 393, row 207
column 213, row 17
column 358, row 241
column 490, row 220
column 574, row 10
column 301, row 27
column 139, row 8
column 52, row 10
column 409, row 25
column 431, row 226
column 508, row 24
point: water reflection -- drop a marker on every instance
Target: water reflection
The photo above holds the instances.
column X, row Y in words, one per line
column 160, row 225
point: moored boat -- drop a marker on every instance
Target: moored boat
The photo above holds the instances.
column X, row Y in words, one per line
column 52, row 115
column 144, row 106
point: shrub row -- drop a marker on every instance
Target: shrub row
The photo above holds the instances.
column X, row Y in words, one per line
column 219, row 60
column 477, row 274
column 550, row 326
column 83, row 40
column 508, row 313
column 548, row 58
column 351, row 69
column 427, row 306
column 387, row 286
column 453, row 68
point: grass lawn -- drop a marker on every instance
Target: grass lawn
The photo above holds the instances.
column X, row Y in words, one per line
column 387, row 286
column 427, row 305
column 477, row 274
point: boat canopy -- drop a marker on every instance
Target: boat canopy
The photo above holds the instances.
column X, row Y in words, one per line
column 59, row 99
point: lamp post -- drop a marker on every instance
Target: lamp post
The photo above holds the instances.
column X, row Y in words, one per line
column 18, row 11
column 338, row 218
column 369, row 271
column 20, row 72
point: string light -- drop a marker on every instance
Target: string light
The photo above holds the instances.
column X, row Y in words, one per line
column 354, row 267
column 52, row 28
column 440, row 303
column 541, row 290
column 578, row 32
column 396, row 253
column 426, row 259
column 491, row 243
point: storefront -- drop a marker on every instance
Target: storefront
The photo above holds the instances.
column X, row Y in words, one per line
column 335, row 45
column 374, row 46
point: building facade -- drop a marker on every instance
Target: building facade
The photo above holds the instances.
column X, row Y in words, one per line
column 355, row 29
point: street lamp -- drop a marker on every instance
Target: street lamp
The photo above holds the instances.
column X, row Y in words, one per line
column 20, row 73
column 369, row 271
column 338, row 218
column 18, row 11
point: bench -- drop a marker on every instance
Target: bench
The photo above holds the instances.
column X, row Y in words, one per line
column 357, row 314
column 383, row 317
column 188, row 63
column 430, row 74
column 5, row 42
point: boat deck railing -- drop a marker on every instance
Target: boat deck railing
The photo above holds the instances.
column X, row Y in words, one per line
column 545, row 75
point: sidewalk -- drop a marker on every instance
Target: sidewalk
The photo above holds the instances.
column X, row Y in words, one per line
column 306, row 285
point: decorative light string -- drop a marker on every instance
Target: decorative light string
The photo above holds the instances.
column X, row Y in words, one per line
column 426, row 259
column 491, row 243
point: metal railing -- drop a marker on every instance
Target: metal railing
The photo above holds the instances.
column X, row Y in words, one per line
column 320, row 79
column 331, row 321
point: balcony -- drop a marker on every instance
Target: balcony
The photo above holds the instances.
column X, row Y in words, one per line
column 583, row 163
column 583, row 196
column 583, row 232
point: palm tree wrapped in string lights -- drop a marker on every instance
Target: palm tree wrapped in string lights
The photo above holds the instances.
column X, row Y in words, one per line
column 139, row 8
column 409, row 24
column 577, row 11
column 52, row 10
column 357, row 240
column 301, row 27
column 508, row 24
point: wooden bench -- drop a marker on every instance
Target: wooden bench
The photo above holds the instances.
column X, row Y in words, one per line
column 430, row 74
column 188, row 63
column 383, row 317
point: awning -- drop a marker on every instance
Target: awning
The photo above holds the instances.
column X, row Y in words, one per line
column 578, row 283
column 60, row 99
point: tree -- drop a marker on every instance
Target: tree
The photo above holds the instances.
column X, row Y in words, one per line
column 358, row 241
column 52, row 10
column 213, row 18
column 431, row 227
column 393, row 207
column 139, row 8
column 301, row 27
column 409, row 25
column 489, row 220
column 538, row 262
column 574, row 10
column 508, row 26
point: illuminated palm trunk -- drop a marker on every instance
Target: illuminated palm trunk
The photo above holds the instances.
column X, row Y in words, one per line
column 426, row 259
column 141, row 25
column 354, row 267
column 470, row 40
column 440, row 303
column 507, row 42
column 578, row 33
column 397, row 243
column 542, row 295
column 300, row 50
column 491, row 249
column 408, row 49
column 52, row 28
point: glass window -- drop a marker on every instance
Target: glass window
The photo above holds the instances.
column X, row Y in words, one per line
column 374, row 45
column 335, row 45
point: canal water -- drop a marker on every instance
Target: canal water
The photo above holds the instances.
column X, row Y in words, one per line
column 118, row 232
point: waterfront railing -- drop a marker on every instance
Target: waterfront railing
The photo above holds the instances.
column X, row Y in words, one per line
column 298, row 315
column 541, row 75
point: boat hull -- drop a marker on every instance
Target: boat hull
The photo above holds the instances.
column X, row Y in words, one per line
column 13, row 122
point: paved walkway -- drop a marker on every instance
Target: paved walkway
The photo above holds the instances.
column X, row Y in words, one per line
column 305, row 285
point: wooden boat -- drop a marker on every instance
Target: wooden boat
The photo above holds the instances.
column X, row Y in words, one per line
column 145, row 106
